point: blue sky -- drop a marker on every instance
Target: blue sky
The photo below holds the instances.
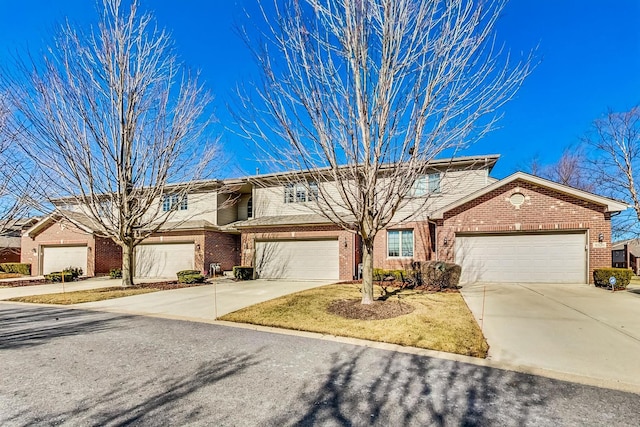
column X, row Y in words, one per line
column 589, row 52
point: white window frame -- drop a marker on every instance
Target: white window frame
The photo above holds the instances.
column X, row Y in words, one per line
column 300, row 192
column 174, row 202
column 426, row 184
column 401, row 232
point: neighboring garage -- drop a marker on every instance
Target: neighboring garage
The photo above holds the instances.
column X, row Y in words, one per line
column 164, row 260
column 57, row 258
column 527, row 229
column 298, row 259
column 519, row 257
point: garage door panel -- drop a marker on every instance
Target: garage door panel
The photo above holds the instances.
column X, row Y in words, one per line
column 297, row 259
column 523, row 258
column 164, row 260
column 57, row 258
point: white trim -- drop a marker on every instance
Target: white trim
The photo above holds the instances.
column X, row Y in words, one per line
column 612, row 205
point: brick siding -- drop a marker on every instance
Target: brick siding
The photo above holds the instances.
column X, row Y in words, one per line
column 58, row 233
column 544, row 210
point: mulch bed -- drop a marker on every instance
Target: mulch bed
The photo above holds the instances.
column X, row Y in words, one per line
column 398, row 285
column 165, row 286
column 354, row 309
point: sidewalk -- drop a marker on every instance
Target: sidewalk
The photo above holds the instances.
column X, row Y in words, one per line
column 57, row 288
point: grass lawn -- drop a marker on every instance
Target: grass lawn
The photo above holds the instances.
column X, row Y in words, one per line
column 9, row 275
column 89, row 295
column 440, row 321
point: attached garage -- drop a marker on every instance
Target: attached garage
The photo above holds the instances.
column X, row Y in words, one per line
column 164, row 259
column 57, row 258
column 298, row 259
column 516, row 257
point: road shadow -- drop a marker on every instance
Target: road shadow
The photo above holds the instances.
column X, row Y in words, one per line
column 408, row 390
column 24, row 326
column 162, row 400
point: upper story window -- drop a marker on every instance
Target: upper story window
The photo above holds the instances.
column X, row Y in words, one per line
column 426, row 184
column 250, row 207
column 399, row 243
column 300, row 193
column 174, row 202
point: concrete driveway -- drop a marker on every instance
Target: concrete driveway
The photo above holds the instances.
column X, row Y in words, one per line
column 204, row 302
column 575, row 329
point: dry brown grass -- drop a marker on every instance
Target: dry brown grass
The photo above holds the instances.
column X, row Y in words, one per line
column 440, row 321
column 90, row 295
column 9, row 275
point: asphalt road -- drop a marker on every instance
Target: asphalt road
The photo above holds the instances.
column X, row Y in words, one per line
column 73, row 367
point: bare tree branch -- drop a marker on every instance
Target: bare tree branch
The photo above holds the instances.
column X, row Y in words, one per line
column 615, row 141
column 113, row 120
column 363, row 94
column 572, row 169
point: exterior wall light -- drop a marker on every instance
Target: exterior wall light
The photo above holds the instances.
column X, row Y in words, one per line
column 601, row 237
column 445, row 242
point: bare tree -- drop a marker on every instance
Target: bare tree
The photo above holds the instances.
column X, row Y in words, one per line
column 573, row 168
column 615, row 141
column 14, row 203
column 113, row 120
column 363, row 94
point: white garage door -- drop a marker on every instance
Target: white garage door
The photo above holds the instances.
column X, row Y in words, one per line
column 544, row 258
column 164, row 259
column 298, row 259
column 57, row 258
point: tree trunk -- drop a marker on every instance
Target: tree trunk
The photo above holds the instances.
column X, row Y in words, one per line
column 127, row 264
column 367, row 271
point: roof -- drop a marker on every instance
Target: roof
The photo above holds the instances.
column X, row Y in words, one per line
column 81, row 220
column 274, row 221
column 633, row 246
column 611, row 204
column 488, row 161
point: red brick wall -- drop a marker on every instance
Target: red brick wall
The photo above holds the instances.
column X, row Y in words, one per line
column 222, row 248
column 347, row 244
column 544, row 210
column 58, row 233
column 421, row 247
column 108, row 256
column 10, row 255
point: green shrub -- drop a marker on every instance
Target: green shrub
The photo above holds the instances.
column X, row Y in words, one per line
column 601, row 277
column 57, row 276
column 380, row 274
column 16, row 267
column 115, row 273
column 187, row 273
column 441, row 274
column 243, row 273
column 191, row 278
column 74, row 271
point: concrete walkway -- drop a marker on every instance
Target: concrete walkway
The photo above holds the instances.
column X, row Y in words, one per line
column 203, row 302
column 23, row 291
column 575, row 329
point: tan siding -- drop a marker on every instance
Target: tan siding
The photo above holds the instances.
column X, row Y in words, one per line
column 227, row 209
column 242, row 207
column 454, row 185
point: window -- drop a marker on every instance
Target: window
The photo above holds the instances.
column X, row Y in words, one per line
column 289, row 191
column 400, row 243
column 174, row 202
column 250, row 207
column 300, row 193
column 434, row 183
column 426, row 184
